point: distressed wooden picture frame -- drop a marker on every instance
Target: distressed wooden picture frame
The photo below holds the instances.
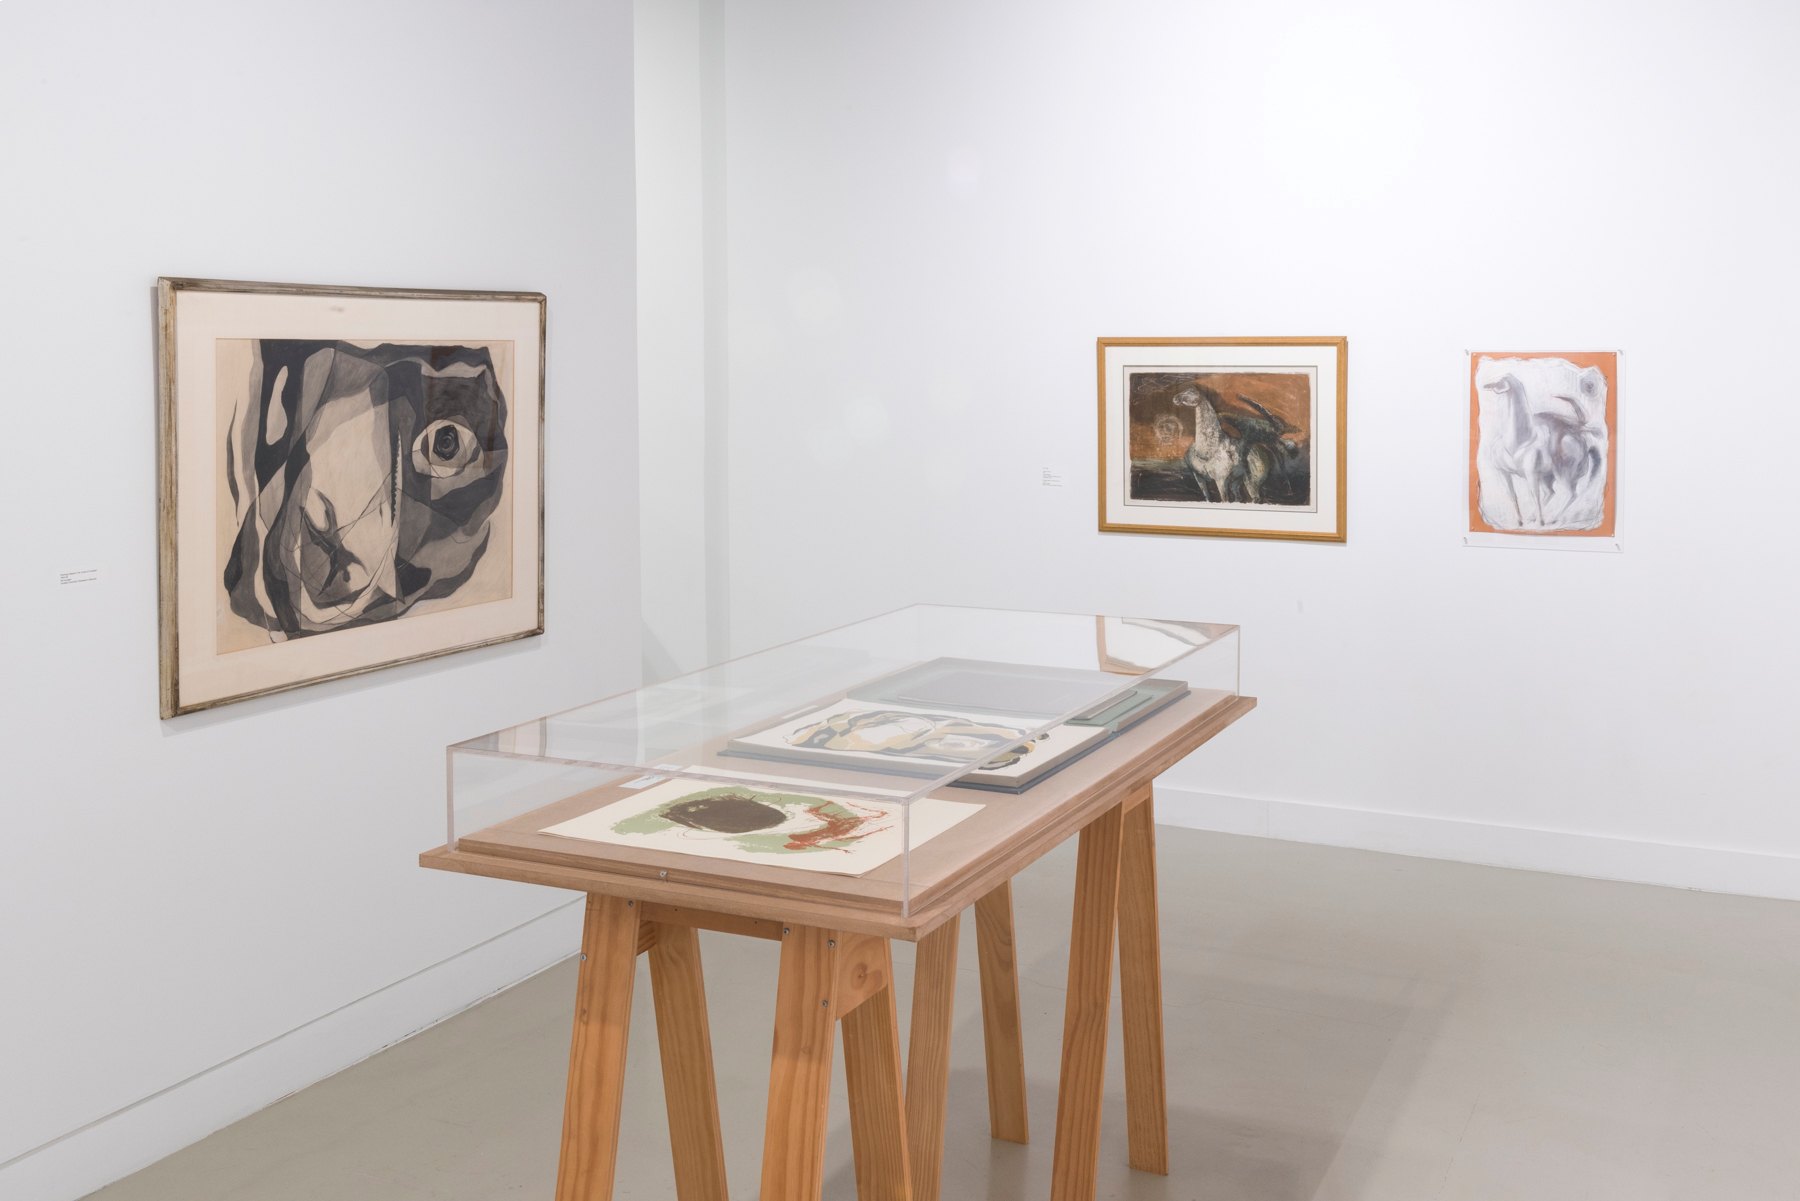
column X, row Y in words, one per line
column 349, row 478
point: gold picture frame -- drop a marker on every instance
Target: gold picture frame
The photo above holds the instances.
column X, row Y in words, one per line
column 349, row 478
column 1224, row 437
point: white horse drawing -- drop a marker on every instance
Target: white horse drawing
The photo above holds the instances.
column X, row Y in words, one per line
column 1542, row 455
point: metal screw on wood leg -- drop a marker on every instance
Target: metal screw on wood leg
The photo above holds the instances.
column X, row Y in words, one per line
column 831, row 944
column 584, row 957
column 825, row 1001
column 631, row 904
column 785, row 931
column 663, row 874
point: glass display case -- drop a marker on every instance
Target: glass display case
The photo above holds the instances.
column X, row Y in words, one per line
column 871, row 767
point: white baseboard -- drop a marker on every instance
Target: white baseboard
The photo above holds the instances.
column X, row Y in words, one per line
column 1596, row 856
column 111, row 1147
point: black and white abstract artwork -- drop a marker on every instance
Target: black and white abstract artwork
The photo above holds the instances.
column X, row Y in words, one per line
column 364, row 482
column 351, row 478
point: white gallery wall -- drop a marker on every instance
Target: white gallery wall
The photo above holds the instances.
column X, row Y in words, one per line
column 933, row 210
column 681, row 329
column 199, row 915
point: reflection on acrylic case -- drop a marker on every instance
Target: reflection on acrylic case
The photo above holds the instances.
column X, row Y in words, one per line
column 811, row 831
column 1014, row 689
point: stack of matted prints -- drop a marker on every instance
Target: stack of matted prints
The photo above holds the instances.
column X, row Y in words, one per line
column 933, row 718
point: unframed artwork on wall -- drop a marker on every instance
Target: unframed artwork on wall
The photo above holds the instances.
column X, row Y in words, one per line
column 350, row 478
column 1543, row 447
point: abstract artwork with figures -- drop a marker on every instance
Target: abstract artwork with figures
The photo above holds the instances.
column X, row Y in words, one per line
column 812, row 831
column 1240, row 438
column 1543, row 443
column 351, row 478
column 918, row 741
column 1224, row 437
column 365, row 483
column 912, row 734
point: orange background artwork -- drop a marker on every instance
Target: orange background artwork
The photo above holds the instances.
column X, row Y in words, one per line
column 1608, row 363
column 1286, row 396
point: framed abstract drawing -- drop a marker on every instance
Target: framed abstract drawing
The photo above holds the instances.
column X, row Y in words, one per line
column 349, row 478
column 1544, row 449
column 1224, row 437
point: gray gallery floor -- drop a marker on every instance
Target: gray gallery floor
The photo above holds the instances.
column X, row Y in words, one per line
column 1341, row 1025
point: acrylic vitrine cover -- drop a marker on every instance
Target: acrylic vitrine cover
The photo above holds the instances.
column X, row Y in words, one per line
column 867, row 764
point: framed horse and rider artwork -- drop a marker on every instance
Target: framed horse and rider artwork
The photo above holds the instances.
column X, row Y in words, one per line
column 1544, row 449
column 1225, row 437
column 350, row 478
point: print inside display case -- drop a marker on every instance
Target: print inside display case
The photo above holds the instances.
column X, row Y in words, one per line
column 869, row 765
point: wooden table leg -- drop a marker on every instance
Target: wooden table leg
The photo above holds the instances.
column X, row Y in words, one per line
column 1083, row 1076
column 685, row 1039
column 878, row 1130
column 793, row 1166
column 827, row 975
column 591, row 1109
column 1002, row 1034
column 1140, row 990
column 928, row 1057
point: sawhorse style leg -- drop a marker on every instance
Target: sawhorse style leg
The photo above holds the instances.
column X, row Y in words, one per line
column 928, row 1053
column 615, row 932
column 928, row 1056
column 685, row 1040
column 1001, row 1029
column 1140, row 992
column 927, row 1063
column 826, row 977
column 1104, row 908
column 591, row 1109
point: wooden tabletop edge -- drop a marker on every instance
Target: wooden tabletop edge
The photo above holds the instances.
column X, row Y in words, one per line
column 927, row 914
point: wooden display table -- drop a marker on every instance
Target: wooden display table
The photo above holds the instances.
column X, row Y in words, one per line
column 836, row 970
